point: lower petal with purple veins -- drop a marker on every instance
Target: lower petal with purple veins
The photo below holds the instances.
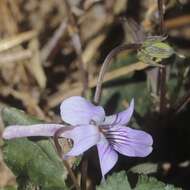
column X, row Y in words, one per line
column 129, row 142
column 139, row 136
column 133, row 149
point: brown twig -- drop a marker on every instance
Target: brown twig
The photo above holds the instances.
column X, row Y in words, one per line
column 35, row 67
column 177, row 22
column 8, row 43
column 76, row 40
column 6, row 58
column 105, row 64
column 52, row 43
column 173, row 23
column 181, row 103
column 60, row 153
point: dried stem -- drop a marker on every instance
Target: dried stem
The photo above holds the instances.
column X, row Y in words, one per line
column 105, row 64
column 76, row 40
column 11, row 42
column 6, row 58
column 52, row 43
column 59, row 151
column 182, row 103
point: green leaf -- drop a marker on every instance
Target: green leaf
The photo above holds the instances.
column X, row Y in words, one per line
column 117, row 181
column 146, row 183
column 16, row 116
column 37, row 159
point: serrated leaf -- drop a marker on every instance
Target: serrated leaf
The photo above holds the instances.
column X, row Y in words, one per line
column 35, row 159
column 146, row 183
column 117, row 181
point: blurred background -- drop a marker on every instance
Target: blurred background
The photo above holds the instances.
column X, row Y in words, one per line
column 51, row 50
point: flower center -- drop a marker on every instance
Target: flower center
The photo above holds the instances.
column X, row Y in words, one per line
column 115, row 137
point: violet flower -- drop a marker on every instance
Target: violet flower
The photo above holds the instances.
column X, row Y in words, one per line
column 89, row 127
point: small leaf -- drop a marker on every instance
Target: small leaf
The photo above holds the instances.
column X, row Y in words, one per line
column 14, row 116
column 37, row 159
column 145, row 183
column 117, row 181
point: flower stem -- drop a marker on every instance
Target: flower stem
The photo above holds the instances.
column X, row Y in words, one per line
column 105, row 64
column 84, row 171
column 161, row 16
column 59, row 151
column 162, row 71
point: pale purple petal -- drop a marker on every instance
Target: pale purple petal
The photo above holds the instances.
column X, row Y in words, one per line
column 84, row 137
column 107, row 156
column 121, row 118
column 130, row 142
column 17, row 131
column 78, row 111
